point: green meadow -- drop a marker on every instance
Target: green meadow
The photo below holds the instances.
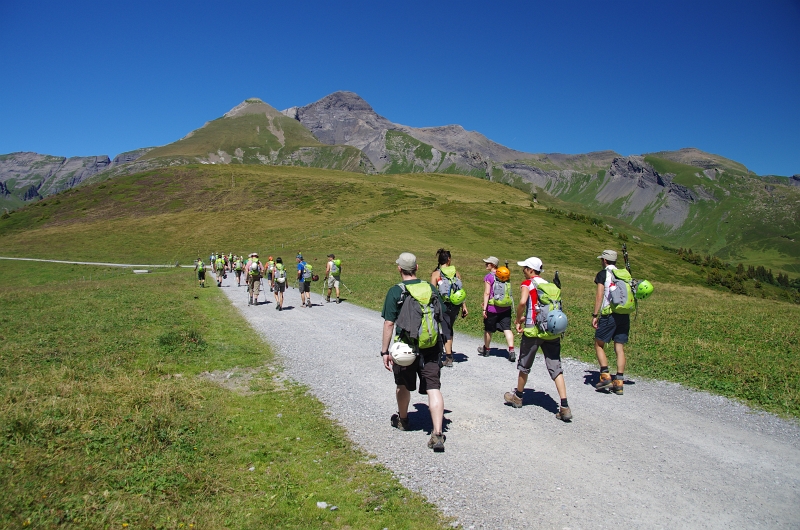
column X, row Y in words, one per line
column 99, row 431
column 106, row 424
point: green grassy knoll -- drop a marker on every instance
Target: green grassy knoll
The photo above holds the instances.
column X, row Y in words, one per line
column 686, row 332
column 98, row 431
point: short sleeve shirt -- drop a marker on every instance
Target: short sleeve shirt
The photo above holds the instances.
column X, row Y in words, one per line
column 490, row 279
column 601, row 277
column 301, row 267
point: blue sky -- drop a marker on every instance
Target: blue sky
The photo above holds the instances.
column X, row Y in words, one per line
column 89, row 78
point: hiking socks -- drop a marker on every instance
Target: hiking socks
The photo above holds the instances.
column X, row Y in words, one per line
column 620, row 376
column 519, row 394
column 564, row 403
column 604, row 369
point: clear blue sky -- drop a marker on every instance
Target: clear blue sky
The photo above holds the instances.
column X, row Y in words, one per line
column 88, row 78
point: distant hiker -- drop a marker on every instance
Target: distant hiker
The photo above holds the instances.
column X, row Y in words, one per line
column 303, row 283
column 219, row 266
column 270, row 271
column 238, row 267
column 200, row 267
column 333, row 271
column 609, row 326
column 529, row 312
column 412, row 311
column 279, row 279
column 497, row 304
column 450, row 287
column 254, row 272
column 212, row 260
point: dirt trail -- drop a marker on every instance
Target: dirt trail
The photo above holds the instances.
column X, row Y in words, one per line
column 659, row 456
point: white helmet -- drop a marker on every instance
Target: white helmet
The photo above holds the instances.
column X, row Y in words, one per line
column 280, row 280
column 402, row 354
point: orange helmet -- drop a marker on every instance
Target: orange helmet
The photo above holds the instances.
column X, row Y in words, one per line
column 502, row 274
column 271, row 258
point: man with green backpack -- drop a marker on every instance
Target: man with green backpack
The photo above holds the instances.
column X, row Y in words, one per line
column 411, row 316
column 333, row 273
column 541, row 322
column 613, row 304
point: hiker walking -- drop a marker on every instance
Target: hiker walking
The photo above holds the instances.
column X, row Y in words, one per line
column 537, row 296
column 200, row 267
column 497, row 304
column 219, row 266
column 609, row 325
column 254, row 271
column 279, row 278
column 451, row 290
column 303, row 284
column 270, row 272
column 407, row 305
column 238, row 267
column 333, row 271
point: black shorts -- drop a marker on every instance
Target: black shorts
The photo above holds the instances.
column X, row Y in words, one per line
column 239, row 273
column 614, row 327
column 497, row 321
column 305, row 287
column 279, row 287
column 201, row 275
column 449, row 317
column 427, row 367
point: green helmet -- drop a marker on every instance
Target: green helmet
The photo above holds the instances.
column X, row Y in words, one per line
column 458, row 297
column 644, row 289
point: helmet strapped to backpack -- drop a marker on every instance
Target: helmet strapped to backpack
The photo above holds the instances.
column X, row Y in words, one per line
column 547, row 320
column 308, row 272
column 620, row 292
column 643, row 289
column 500, row 295
column 502, row 274
column 280, row 273
column 449, row 283
column 402, row 354
column 254, row 268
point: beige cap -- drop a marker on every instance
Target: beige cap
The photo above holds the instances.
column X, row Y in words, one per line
column 407, row 261
column 493, row 260
column 608, row 255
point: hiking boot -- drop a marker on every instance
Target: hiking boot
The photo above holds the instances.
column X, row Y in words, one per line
column 280, row 308
column 513, row 399
column 448, row 361
column 328, row 299
column 564, row 414
column 338, row 301
column 249, row 302
column 605, row 381
column 617, row 386
column 436, row 443
column 401, row 424
column 512, row 356
column 483, row 352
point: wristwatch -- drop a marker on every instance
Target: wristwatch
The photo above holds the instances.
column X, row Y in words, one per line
column 594, row 315
column 384, row 353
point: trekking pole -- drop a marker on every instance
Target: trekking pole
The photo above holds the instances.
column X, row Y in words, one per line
column 634, row 283
column 557, row 280
column 346, row 287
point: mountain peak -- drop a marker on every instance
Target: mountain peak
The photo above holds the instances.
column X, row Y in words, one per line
column 344, row 100
column 251, row 106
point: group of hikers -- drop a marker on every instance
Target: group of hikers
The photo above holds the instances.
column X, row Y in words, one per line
column 271, row 275
column 419, row 317
column 417, row 338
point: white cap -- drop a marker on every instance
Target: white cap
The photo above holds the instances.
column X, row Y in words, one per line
column 532, row 263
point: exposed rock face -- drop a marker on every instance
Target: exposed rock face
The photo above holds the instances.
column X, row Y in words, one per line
column 32, row 176
column 795, row 180
column 345, row 118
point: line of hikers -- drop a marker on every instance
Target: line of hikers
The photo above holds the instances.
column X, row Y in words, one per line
column 419, row 318
column 271, row 275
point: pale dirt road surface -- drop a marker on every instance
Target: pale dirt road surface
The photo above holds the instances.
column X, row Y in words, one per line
column 661, row 456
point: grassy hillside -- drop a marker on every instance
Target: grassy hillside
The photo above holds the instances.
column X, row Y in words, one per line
column 256, row 133
column 177, row 214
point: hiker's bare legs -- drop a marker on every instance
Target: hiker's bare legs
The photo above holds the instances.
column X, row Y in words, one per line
column 403, row 399
column 522, row 380
column 448, row 347
column 509, row 338
column 436, row 408
column 600, row 352
column 620, row 351
column 487, row 340
column 561, row 387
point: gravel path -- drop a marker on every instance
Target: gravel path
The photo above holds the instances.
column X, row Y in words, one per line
column 659, row 456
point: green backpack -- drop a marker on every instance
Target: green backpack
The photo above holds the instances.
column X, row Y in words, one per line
column 501, row 294
column 238, row 265
column 254, row 268
column 548, row 299
column 336, row 267
column 620, row 292
column 308, row 272
column 201, row 266
column 419, row 318
column 448, row 282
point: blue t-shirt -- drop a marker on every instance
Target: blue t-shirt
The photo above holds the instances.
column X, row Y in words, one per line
column 301, row 267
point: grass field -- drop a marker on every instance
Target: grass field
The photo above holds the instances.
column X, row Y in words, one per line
column 105, row 423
